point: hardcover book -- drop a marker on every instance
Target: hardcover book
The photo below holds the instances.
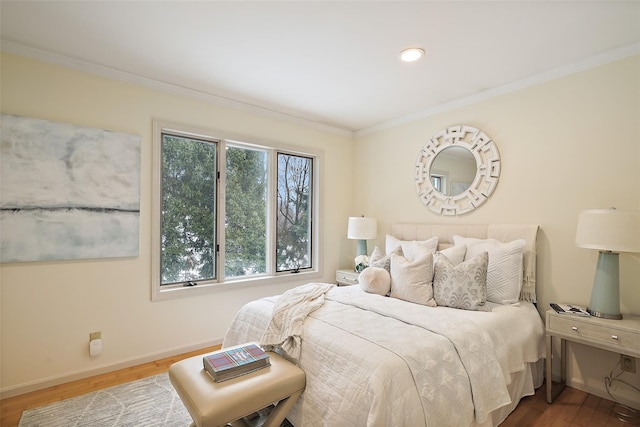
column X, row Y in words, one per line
column 232, row 362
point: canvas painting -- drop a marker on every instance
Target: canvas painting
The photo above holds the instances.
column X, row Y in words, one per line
column 67, row 192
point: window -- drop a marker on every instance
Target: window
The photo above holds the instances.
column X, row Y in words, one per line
column 188, row 211
column 294, row 212
column 438, row 182
column 246, row 212
column 227, row 211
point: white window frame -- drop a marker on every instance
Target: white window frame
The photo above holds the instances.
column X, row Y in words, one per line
column 160, row 293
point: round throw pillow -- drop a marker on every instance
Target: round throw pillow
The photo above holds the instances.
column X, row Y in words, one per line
column 375, row 280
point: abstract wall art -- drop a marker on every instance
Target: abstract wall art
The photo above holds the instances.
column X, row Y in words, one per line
column 67, row 192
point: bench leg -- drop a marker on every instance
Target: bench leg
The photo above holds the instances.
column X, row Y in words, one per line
column 279, row 413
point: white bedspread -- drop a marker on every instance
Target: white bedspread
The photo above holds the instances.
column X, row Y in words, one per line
column 286, row 327
column 379, row 361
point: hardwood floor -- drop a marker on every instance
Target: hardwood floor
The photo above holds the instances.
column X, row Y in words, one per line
column 572, row 408
column 12, row 407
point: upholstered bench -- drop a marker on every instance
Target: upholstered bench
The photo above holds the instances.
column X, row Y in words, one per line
column 216, row 404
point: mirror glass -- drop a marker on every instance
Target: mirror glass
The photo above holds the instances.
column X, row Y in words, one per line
column 453, row 170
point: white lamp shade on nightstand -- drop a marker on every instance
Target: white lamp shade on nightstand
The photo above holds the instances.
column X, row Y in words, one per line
column 610, row 231
column 362, row 228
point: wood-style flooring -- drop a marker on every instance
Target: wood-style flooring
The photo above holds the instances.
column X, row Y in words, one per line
column 572, row 407
column 12, row 407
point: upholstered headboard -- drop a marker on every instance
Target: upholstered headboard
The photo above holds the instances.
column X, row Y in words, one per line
column 501, row 232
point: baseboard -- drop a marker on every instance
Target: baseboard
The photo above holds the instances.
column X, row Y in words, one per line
column 78, row 375
column 626, row 397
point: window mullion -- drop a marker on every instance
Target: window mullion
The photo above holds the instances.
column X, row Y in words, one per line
column 272, row 171
column 222, row 207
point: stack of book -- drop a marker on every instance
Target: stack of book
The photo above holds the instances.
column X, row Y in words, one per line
column 232, row 362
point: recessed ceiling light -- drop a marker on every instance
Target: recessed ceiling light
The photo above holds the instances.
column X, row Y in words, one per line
column 411, row 54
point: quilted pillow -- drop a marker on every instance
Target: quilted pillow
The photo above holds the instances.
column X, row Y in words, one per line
column 375, row 280
column 412, row 249
column 504, row 272
column 461, row 286
column 412, row 280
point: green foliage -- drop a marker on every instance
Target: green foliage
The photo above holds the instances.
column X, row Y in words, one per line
column 188, row 209
column 246, row 212
column 189, row 179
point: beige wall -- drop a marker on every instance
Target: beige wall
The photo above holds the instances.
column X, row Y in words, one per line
column 566, row 145
column 49, row 308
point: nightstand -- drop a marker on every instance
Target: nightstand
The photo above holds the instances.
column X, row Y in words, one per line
column 346, row 277
column 619, row 336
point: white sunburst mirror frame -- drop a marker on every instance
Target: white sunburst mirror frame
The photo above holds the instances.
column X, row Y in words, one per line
column 484, row 151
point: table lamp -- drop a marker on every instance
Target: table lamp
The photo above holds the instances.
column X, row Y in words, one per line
column 610, row 231
column 362, row 228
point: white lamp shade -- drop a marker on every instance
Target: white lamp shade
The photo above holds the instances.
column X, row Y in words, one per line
column 362, row 228
column 609, row 230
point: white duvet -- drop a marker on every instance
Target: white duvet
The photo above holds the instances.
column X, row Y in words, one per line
column 378, row 361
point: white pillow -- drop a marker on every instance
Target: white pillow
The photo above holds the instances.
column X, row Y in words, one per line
column 375, row 280
column 461, row 286
column 504, row 273
column 412, row 249
column 412, row 280
column 455, row 254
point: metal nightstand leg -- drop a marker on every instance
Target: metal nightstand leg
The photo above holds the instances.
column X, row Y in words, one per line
column 551, row 393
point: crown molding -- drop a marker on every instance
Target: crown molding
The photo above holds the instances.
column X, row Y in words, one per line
column 592, row 62
column 116, row 74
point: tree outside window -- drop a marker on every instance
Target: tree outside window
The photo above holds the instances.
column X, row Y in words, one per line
column 262, row 236
column 188, row 214
column 294, row 212
column 246, row 212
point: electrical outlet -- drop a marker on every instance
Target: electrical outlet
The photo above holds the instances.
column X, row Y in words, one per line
column 95, row 336
column 628, row 363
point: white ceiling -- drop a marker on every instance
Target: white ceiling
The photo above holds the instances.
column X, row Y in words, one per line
column 330, row 62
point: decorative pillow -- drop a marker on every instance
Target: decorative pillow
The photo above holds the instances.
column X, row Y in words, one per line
column 461, row 286
column 375, row 280
column 378, row 259
column 455, row 254
column 504, row 273
column 412, row 280
column 412, row 249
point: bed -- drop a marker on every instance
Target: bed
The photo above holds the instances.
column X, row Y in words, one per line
column 376, row 360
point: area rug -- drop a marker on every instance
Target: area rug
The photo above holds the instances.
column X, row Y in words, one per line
column 149, row 402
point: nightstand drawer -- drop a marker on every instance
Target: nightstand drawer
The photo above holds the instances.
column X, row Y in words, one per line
column 347, row 277
column 571, row 326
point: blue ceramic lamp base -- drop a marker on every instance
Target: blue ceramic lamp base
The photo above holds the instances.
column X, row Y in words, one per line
column 605, row 296
column 362, row 248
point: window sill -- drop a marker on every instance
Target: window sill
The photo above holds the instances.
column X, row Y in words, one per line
column 236, row 283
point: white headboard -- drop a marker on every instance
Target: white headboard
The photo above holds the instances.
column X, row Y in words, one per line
column 502, row 232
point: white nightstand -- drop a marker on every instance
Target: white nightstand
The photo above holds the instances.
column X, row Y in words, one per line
column 346, row 277
column 619, row 336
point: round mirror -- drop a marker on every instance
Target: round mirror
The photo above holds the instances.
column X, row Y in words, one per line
column 453, row 170
column 457, row 170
